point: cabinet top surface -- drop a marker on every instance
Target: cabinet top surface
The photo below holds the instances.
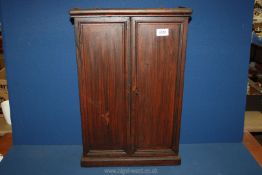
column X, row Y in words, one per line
column 131, row 12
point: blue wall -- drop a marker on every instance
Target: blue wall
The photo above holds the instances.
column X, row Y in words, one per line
column 42, row 75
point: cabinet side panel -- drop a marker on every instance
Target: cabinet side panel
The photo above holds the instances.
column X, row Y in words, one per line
column 103, row 85
column 157, row 52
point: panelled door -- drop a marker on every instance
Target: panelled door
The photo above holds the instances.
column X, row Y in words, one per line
column 156, row 49
column 103, row 48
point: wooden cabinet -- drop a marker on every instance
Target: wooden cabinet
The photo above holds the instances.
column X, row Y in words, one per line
column 130, row 73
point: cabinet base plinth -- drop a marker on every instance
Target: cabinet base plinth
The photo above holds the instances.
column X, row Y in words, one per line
column 130, row 161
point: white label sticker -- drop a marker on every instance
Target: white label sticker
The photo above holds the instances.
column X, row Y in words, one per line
column 162, row 32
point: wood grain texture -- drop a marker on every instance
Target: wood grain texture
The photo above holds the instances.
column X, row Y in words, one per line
column 130, row 85
column 155, row 83
column 103, row 84
column 131, row 12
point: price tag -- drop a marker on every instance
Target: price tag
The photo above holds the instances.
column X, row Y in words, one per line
column 162, row 32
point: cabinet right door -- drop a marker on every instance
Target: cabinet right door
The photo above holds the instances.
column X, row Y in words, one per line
column 158, row 45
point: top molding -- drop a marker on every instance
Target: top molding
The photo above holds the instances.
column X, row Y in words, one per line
column 185, row 12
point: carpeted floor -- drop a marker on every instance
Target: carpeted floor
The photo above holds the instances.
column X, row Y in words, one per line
column 197, row 159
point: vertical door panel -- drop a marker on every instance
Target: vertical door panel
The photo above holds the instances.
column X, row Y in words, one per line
column 103, row 82
column 154, row 81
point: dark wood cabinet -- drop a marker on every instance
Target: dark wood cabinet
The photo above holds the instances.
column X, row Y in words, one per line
column 130, row 73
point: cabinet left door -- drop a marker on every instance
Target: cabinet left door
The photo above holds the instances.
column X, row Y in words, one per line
column 103, row 75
